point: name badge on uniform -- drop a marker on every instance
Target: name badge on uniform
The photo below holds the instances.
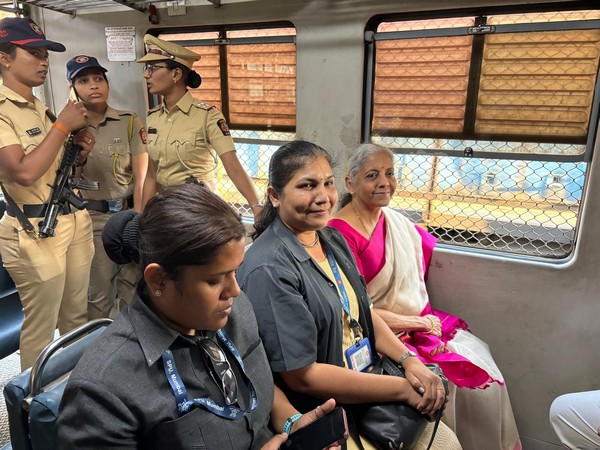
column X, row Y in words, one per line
column 152, row 130
column 33, row 131
column 359, row 356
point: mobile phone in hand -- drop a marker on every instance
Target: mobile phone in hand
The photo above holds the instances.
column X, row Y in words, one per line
column 331, row 429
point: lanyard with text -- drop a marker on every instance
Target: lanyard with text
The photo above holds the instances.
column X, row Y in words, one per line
column 359, row 356
column 344, row 299
column 184, row 405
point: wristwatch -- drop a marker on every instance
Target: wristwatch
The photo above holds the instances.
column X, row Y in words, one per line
column 257, row 204
column 408, row 354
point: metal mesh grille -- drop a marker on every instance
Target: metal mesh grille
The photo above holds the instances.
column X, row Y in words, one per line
column 489, row 131
column 517, row 206
column 254, row 150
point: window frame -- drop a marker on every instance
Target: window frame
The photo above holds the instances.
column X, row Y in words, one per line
column 223, row 41
column 371, row 37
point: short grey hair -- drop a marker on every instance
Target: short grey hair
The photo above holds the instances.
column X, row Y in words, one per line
column 356, row 163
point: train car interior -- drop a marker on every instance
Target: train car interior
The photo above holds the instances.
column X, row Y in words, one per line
column 490, row 107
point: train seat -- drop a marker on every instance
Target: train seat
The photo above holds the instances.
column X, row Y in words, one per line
column 11, row 314
column 33, row 397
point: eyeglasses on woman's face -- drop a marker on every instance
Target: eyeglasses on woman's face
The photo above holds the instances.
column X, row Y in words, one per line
column 220, row 370
column 150, row 68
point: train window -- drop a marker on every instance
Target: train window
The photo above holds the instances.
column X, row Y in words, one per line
column 492, row 118
column 250, row 75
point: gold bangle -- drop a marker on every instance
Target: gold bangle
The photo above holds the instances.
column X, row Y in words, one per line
column 432, row 325
column 60, row 127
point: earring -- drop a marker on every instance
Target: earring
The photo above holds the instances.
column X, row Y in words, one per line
column 158, row 292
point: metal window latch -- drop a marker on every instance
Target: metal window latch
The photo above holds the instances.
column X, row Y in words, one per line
column 468, row 152
column 222, row 41
column 481, row 29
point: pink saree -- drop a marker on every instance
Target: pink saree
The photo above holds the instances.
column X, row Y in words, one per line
column 394, row 263
column 397, row 284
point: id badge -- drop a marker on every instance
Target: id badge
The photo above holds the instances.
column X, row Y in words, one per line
column 359, row 356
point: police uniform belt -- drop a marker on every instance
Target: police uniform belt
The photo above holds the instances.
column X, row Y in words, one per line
column 31, row 211
column 105, row 206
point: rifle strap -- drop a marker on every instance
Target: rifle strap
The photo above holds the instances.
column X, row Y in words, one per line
column 21, row 217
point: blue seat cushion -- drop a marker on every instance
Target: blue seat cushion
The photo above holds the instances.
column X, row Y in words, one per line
column 17, row 389
column 11, row 319
column 43, row 415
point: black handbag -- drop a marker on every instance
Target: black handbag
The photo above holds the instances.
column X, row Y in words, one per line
column 394, row 425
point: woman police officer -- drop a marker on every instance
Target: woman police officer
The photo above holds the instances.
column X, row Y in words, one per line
column 118, row 162
column 182, row 130
column 51, row 274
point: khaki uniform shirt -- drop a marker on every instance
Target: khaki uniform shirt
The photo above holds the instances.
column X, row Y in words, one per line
column 182, row 142
column 109, row 162
column 26, row 124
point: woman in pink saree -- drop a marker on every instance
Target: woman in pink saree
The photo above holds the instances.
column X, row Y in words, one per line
column 393, row 254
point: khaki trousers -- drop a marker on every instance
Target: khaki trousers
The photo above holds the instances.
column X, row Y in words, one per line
column 112, row 286
column 51, row 275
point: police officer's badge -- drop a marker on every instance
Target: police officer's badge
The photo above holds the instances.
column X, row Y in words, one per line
column 36, row 29
column 224, row 127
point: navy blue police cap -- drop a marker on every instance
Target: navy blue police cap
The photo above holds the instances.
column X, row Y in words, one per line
column 82, row 62
column 24, row 32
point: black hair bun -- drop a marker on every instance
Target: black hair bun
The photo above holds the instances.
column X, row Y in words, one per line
column 120, row 237
column 194, row 79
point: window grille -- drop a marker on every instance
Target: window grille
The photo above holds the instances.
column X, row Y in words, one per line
column 492, row 118
column 250, row 75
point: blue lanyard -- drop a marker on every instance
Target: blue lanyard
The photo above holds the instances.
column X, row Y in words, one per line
column 184, row 405
column 344, row 299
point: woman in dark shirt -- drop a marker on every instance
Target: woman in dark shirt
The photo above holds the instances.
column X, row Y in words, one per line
column 183, row 366
column 310, row 327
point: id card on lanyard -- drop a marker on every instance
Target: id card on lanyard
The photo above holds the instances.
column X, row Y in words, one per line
column 359, row 356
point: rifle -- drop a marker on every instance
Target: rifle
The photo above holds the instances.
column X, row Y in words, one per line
column 62, row 188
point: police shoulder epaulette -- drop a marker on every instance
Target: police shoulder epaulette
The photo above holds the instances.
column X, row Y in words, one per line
column 205, row 106
column 153, row 110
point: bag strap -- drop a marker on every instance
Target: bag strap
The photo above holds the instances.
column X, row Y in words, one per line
column 21, row 217
column 438, row 417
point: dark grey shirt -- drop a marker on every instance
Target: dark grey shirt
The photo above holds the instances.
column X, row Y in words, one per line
column 118, row 396
column 297, row 306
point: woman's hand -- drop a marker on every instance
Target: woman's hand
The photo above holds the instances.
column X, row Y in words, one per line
column 73, row 116
column 278, row 440
column 439, row 349
column 426, row 383
column 313, row 415
column 433, row 324
column 86, row 141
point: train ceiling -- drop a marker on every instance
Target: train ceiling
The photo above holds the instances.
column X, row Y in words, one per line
column 73, row 7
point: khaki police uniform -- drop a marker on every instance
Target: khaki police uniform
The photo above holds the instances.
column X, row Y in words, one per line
column 51, row 274
column 186, row 140
column 119, row 136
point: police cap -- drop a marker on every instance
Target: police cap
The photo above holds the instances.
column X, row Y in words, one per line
column 159, row 50
column 25, row 32
column 78, row 63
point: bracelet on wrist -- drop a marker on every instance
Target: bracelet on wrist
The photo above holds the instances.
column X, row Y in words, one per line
column 431, row 324
column 403, row 358
column 287, row 427
column 60, row 127
column 257, row 204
